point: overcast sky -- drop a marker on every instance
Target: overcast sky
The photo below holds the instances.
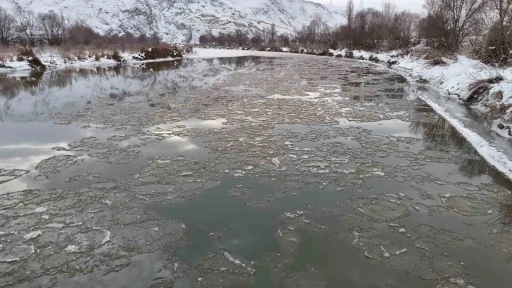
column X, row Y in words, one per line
column 412, row 5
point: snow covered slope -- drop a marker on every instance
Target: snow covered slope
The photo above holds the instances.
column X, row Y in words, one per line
column 181, row 21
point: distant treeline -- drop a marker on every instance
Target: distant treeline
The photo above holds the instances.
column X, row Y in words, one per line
column 25, row 27
column 446, row 25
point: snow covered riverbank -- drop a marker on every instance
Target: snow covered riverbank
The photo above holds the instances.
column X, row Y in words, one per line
column 485, row 88
column 53, row 59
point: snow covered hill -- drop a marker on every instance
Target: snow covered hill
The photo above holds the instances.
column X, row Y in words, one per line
column 181, row 21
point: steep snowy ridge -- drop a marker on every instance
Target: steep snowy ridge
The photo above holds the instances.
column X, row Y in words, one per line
column 181, row 21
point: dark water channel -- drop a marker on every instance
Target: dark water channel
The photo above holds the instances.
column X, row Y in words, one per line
column 242, row 172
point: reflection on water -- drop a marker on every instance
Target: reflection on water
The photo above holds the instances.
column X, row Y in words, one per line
column 505, row 210
column 37, row 96
column 440, row 133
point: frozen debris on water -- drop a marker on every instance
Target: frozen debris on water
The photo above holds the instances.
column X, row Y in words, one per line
column 41, row 209
column 55, row 225
column 107, row 202
column 290, row 215
column 460, row 282
column 238, row 262
column 33, row 234
column 356, row 240
column 186, row 174
column 9, row 260
column 32, row 248
column 393, row 225
column 106, row 238
column 384, row 252
column 402, row 230
column 71, row 249
column 239, row 173
column 291, row 228
column 176, row 265
column 280, row 233
column 422, row 247
column 306, row 221
column 300, row 212
column 276, row 162
column 367, row 255
column 401, row 251
column 249, row 167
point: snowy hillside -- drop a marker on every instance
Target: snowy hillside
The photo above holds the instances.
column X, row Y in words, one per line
column 181, row 21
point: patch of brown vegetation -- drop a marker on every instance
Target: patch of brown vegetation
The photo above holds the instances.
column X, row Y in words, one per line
column 159, row 52
column 117, row 57
column 27, row 54
column 432, row 54
column 481, row 87
column 436, row 62
column 349, row 55
column 497, row 111
column 374, row 59
column 271, row 48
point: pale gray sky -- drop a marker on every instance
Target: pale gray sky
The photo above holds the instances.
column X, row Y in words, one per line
column 412, row 5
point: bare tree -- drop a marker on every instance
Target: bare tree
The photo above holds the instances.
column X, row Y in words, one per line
column 402, row 29
column 7, row 25
column 79, row 33
column 388, row 13
column 272, row 33
column 257, row 39
column 350, row 12
column 502, row 9
column 28, row 27
column 458, row 17
column 53, row 26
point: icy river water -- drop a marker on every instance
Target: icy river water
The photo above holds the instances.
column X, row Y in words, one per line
column 242, row 172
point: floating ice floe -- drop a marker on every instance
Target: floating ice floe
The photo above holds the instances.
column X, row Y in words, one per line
column 33, row 234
